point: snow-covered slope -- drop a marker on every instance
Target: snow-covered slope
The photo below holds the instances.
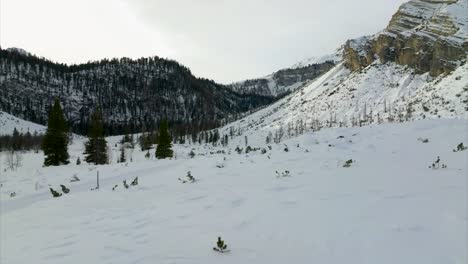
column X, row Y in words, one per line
column 335, row 57
column 379, row 93
column 387, row 208
column 285, row 80
column 8, row 123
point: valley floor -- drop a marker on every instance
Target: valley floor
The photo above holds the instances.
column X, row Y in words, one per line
column 387, row 207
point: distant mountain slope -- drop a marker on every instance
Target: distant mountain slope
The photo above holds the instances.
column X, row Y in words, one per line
column 414, row 69
column 379, row 93
column 8, row 123
column 131, row 93
column 285, row 80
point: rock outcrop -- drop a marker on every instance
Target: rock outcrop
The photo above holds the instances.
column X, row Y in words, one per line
column 426, row 35
column 283, row 81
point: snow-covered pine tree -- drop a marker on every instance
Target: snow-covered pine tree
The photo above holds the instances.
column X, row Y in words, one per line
column 96, row 147
column 55, row 143
column 221, row 246
column 164, row 148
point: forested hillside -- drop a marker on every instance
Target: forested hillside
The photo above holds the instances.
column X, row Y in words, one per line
column 133, row 94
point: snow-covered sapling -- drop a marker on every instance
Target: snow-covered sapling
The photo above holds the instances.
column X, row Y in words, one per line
column 13, row 194
column 424, row 140
column 78, row 161
column 248, row 149
column 125, row 184
column 283, row 174
column 238, row 150
column 189, row 178
column 436, row 164
column 221, row 246
column 348, row 163
column 64, row 188
column 55, row 194
column 115, row 187
column 147, row 155
column 75, row 178
column 135, row 181
column 191, row 154
column 263, row 151
column 460, row 147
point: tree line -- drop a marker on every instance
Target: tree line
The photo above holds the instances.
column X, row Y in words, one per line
column 21, row 141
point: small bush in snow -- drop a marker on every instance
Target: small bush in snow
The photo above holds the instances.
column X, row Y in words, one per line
column 78, row 161
column 54, row 193
column 13, row 160
column 188, row 179
column 238, row 150
column 460, row 147
column 191, row 154
column 75, row 178
column 115, row 187
column 125, row 184
column 283, row 174
column 423, row 140
column 13, row 194
column 64, row 188
column 248, row 149
column 134, row 182
column 437, row 164
column 348, row 163
column 221, row 246
column 263, row 151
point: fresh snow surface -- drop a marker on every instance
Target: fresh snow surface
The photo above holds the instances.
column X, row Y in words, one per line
column 388, row 207
column 8, row 123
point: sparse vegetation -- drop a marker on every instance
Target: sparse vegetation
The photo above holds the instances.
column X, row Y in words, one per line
column 221, row 246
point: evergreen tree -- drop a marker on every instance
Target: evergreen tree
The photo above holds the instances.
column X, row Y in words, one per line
column 164, row 149
column 55, row 143
column 96, row 147
column 122, row 154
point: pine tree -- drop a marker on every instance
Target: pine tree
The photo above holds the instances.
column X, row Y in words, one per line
column 55, row 143
column 221, row 246
column 96, row 147
column 164, row 149
column 122, row 154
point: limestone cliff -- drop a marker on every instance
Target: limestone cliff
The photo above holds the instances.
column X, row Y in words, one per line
column 426, row 35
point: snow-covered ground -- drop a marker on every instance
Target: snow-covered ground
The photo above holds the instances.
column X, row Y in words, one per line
column 388, row 207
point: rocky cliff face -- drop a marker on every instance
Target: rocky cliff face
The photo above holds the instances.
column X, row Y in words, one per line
column 426, row 35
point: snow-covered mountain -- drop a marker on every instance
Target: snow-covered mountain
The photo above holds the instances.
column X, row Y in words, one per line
column 285, row 80
column 382, row 78
column 132, row 94
column 336, row 57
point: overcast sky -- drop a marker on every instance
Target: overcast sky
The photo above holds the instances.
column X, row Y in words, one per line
column 225, row 40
